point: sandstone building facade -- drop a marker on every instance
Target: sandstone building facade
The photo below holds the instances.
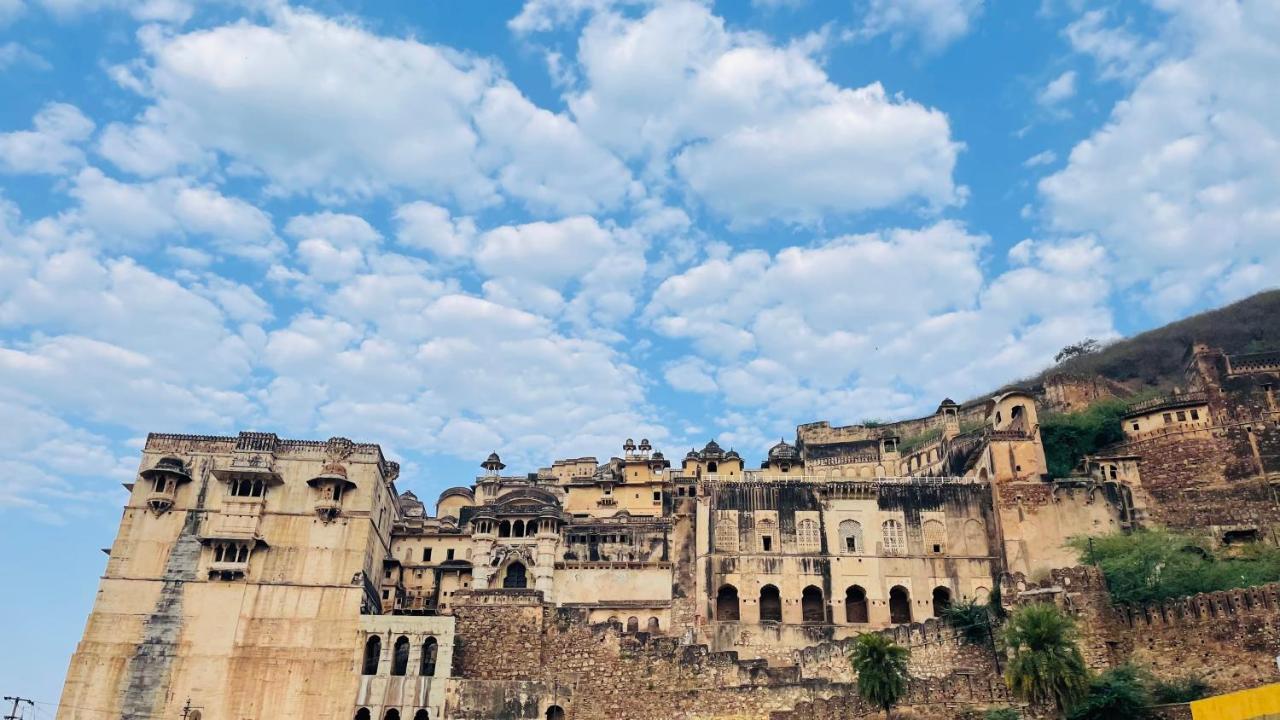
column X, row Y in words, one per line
column 258, row 577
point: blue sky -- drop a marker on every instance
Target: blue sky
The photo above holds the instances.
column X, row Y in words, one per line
column 540, row 228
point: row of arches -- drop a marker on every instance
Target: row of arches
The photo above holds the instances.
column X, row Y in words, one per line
column 633, row 624
column 400, row 656
column 893, row 537
column 813, row 608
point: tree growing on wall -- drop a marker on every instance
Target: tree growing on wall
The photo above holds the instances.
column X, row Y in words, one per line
column 1087, row 346
column 881, row 665
column 1045, row 665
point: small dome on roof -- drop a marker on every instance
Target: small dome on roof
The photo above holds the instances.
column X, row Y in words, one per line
column 691, row 455
column 658, row 456
column 712, row 448
column 493, row 462
column 732, row 455
column 782, row 451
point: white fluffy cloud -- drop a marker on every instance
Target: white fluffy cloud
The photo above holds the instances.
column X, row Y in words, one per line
column 175, row 11
column 135, row 215
column 1181, row 185
column 51, row 145
column 936, row 23
column 1058, row 90
column 756, row 130
column 828, row 330
column 427, row 226
column 456, row 130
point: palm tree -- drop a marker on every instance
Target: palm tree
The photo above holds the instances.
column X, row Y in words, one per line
column 1045, row 665
column 881, row 665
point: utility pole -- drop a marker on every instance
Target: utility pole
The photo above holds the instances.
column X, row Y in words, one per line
column 13, row 714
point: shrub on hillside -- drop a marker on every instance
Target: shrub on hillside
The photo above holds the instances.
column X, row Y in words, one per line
column 1068, row 437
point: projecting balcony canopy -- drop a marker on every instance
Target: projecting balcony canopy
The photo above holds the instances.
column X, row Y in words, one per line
column 254, row 468
column 332, row 473
column 167, row 467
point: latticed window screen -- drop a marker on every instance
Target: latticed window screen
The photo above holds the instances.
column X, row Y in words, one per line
column 807, row 537
column 935, row 537
column 726, row 532
column 895, row 540
column 851, row 536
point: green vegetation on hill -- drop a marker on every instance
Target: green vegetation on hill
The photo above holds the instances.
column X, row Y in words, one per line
column 1068, row 437
column 1153, row 565
column 1158, row 357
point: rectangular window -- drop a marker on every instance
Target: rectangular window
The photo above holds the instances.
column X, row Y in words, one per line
column 387, row 573
column 1168, row 418
column 1195, row 414
column 1182, row 416
column 1135, row 427
column 426, row 554
column 448, row 555
column 386, row 594
column 851, row 544
column 766, row 543
column 608, row 490
column 657, row 496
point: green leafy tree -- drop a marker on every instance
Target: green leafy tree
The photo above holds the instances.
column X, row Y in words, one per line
column 1068, row 437
column 1045, row 665
column 1181, row 690
column 1152, row 565
column 881, row 665
column 1120, row 692
column 970, row 618
column 1088, row 346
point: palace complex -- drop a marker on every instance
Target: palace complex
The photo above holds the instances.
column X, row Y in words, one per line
column 256, row 578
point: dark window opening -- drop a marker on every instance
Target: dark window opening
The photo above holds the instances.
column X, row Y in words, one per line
column 426, row 554
column 448, row 554
column 1195, row 414
column 555, row 712
column 516, row 577
column 899, row 605
column 504, row 528
column 766, row 543
column 400, row 657
column 727, row 603
column 770, row 604
column 1168, row 418
column 812, row 609
column 712, row 466
column 855, row 605
column 1135, row 427
column 1182, row 416
column 428, row 665
column 1238, row 537
column 633, row 624
column 941, row 600
column 392, row 714
column 372, row 654
column 362, row 714
column 422, row 715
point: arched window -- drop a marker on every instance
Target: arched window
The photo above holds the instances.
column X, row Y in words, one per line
column 807, row 537
column 515, row 577
column 653, row 625
column 770, row 604
column 812, row 609
column 851, row 536
column 727, row 603
column 941, row 600
column 855, row 604
column 362, row 714
column 935, row 537
column 975, row 537
column 400, row 657
column 422, row 714
column 392, row 714
column 726, row 531
column 372, row 654
column 633, row 624
column 517, row 528
column 895, row 542
column 555, row 712
column 428, row 665
column 899, row 605
column 504, row 528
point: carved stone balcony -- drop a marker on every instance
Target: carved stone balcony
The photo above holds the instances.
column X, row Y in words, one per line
column 160, row 502
column 328, row 509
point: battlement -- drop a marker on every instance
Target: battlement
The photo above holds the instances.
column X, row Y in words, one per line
column 1253, row 362
column 1204, row 607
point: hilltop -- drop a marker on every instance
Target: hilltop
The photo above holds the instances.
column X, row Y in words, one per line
column 1158, row 357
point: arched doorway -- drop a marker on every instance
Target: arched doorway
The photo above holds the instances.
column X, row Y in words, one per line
column 653, row 626
column 555, row 712
column 392, row 714
column 372, row 653
column 362, row 714
column 428, row 664
column 633, row 624
column 770, row 604
column 941, row 600
column 422, row 715
column 812, row 609
column 400, row 658
column 727, row 603
column 855, row 604
column 899, row 605
column 516, row 577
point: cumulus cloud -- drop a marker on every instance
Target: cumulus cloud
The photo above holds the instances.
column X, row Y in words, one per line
column 827, row 330
column 135, row 215
column 1058, row 90
column 936, row 23
column 427, row 226
column 680, row 93
column 457, row 130
column 1181, row 184
column 1119, row 52
column 51, row 146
